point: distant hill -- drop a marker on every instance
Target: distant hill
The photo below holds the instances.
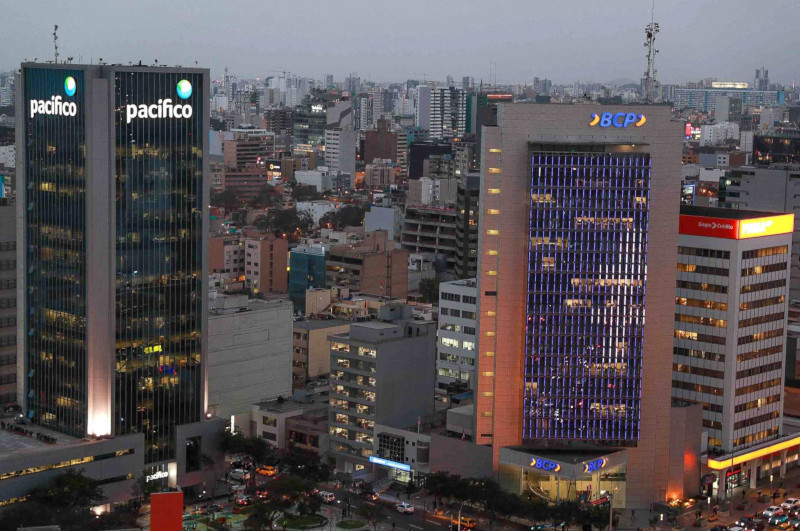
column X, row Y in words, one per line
column 622, row 81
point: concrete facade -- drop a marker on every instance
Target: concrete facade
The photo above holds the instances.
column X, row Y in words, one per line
column 382, row 372
column 312, row 349
column 503, row 271
column 250, row 353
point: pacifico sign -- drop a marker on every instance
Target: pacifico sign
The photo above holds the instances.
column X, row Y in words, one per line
column 736, row 229
column 164, row 108
column 55, row 106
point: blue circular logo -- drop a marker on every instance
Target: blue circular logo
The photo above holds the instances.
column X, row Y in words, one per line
column 184, row 89
column 70, row 86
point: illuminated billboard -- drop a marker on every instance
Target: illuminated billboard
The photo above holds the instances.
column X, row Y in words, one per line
column 735, row 229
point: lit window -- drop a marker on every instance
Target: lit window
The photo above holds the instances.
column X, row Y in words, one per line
column 493, row 232
column 495, row 170
column 489, row 354
column 491, row 253
column 488, row 374
column 494, row 191
column 493, row 211
column 495, row 150
column 492, row 273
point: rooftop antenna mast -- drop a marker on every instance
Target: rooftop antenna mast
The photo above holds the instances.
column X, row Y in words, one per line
column 55, row 41
column 650, row 75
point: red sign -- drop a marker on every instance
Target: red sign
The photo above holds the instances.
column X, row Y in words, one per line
column 166, row 511
column 713, row 227
column 734, row 229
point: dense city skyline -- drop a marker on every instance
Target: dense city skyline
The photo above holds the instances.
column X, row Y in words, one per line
column 600, row 42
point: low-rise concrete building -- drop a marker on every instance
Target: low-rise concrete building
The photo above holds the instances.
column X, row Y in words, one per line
column 249, row 352
column 312, row 350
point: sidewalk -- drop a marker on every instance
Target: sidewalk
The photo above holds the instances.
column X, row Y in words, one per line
column 790, row 482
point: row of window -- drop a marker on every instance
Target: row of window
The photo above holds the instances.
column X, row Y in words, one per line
column 8, row 246
column 757, row 403
column 760, row 270
column 452, row 312
column 756, row 420
column 760, row 336
column 8, row 265
column 758, row 386
column 703, row 338
column 755, row 437
column 762, row 253
column 8, row 302
column 714, row 408
column 704, row 253
column 760, row 353
column 698, row 354
column 9, row 283
column 703, row 270
column 452, row 358
column 698, row 303
column 8, row 378
column 761, row 286
column 469, row 330
column 696, row 319
column 7, row 341
column 774, row 366
column 698, row 371
column 702, row 286
column 455, row 343
column 697, row 388
column 762, row 319
column 10, row 320
column 769, row 301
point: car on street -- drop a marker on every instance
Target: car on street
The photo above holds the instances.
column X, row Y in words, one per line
column 327, row 497
column 772, row 510
column 239, row 474
column 370, row 495
column 736, row 528
column 467, row 522
column 778, row 519
column 404, row 508
column 244, row 500
column 720, row 528
column 790, row 503
column 795, row 522
column 268, row 470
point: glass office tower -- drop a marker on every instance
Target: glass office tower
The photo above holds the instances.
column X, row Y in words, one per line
column 158, row 203
column 55, row 251
column 586, row 284
column 114, row 196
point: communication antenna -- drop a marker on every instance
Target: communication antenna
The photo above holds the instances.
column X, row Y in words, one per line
column 55, row 41
column 650, row 75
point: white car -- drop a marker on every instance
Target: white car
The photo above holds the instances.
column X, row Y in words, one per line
column 772, row 510
column 327, row 497
column 404, row 508
column 736, row 528
column 237, row 474
column 790, row 503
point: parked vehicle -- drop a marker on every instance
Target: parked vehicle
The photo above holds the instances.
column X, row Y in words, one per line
column 244, row 500
column 790, row 503
column 268, row 471
column 467, row 522
column 370, row 495
column 772, row 510
column 778, row 519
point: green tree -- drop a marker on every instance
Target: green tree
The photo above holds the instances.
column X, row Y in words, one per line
column 284, row 222
column 373, row 514
column 305, row 464
column 429, row 290
column 64, row 500
column 227, row 199
column 410, row 489
column 345, row 216
column 305, row 193
column 267, row 196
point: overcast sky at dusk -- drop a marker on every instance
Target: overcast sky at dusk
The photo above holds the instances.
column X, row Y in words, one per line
column 565, row 40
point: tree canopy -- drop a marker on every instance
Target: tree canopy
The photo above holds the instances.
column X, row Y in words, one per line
column 303, row 192
column 288, row 222
column 227, row 199
column 345, row 216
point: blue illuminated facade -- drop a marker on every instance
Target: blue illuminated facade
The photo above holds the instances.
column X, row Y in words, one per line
column 586, row 293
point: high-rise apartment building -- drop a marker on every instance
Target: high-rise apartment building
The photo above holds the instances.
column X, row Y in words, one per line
column 762, row 79
column 113, row 202
column 448, row 113
column 730, row 322
column 458, row 337
column 577, row 223
column 468, row 208
column 382, row 372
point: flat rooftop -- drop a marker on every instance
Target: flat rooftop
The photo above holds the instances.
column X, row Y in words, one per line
column 726, row 213
column 316, row 324
column 13, row 443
